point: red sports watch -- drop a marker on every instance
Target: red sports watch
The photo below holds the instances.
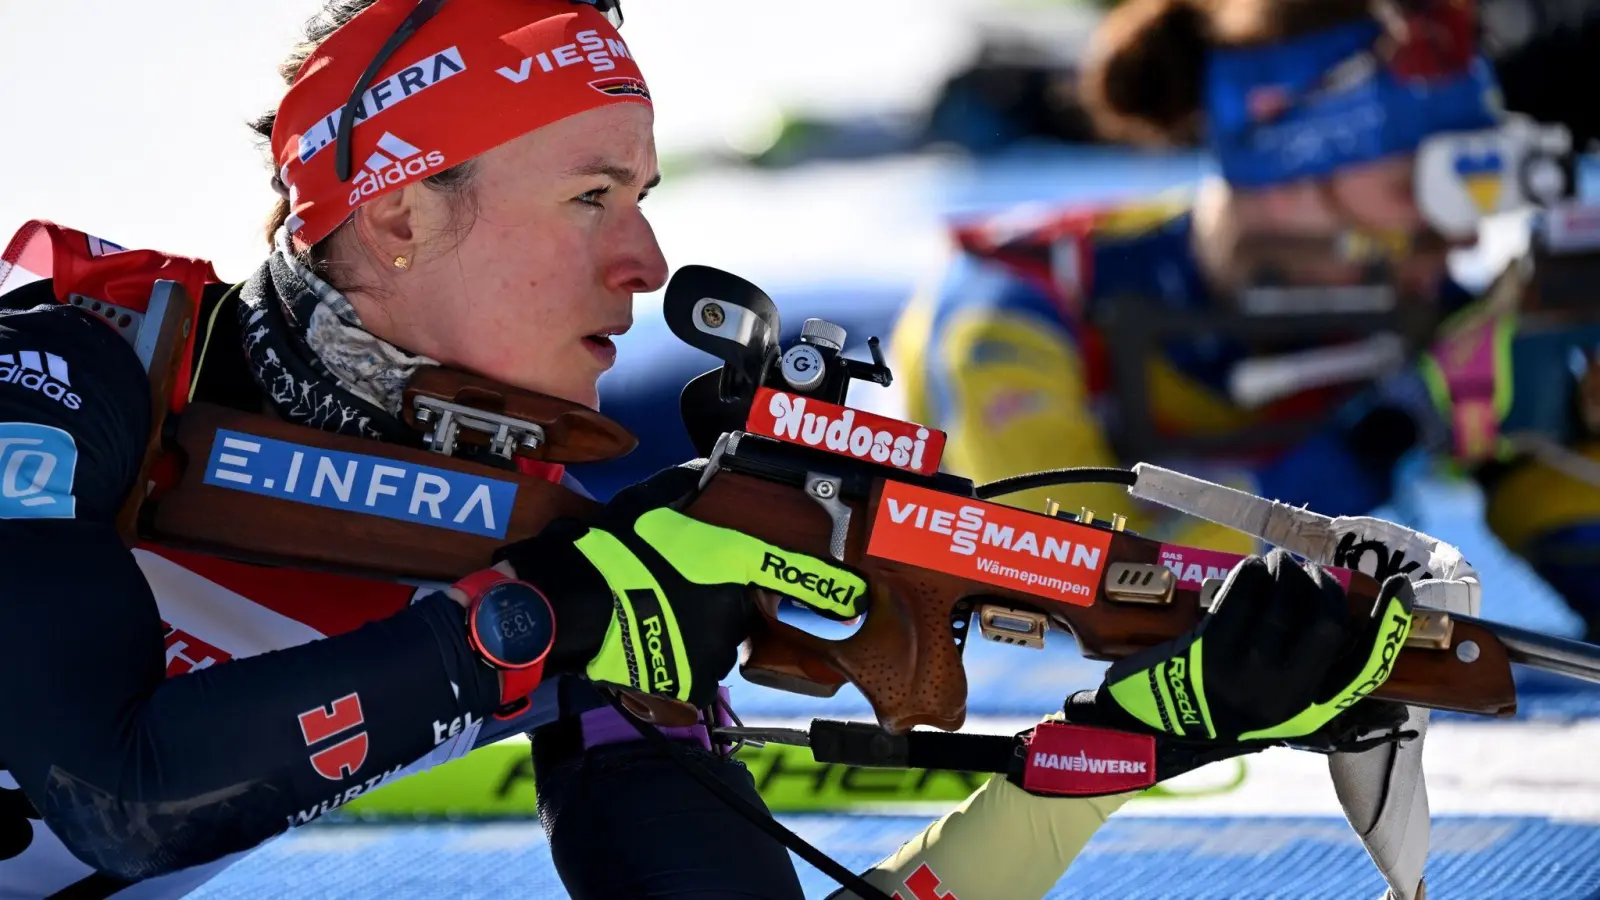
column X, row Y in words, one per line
column 511, row 626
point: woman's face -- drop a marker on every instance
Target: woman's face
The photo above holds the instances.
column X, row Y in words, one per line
column 1376, row 199
column 554, row 249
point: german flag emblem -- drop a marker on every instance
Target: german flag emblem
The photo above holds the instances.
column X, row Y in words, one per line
column 621, row 86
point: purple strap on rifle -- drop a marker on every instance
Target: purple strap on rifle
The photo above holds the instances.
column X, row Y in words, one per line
column 605, row 725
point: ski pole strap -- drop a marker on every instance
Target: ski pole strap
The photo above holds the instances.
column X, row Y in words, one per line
column 1052, row 758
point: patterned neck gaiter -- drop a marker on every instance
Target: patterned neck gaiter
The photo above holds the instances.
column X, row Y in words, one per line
column 313, row 359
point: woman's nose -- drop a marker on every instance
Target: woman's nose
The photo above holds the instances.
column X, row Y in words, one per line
column 637, row 264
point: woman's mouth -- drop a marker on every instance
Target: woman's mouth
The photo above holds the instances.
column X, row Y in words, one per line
column 602, row 347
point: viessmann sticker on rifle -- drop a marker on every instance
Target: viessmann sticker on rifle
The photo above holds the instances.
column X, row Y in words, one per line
column 986, row 542
column 855, row 433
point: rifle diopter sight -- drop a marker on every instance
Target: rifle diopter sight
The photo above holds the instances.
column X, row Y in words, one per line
column 735, row 321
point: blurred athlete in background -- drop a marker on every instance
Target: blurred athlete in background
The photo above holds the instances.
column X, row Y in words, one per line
column 1029, row 351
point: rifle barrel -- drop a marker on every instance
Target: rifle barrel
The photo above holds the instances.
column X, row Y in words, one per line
column 1563, row 656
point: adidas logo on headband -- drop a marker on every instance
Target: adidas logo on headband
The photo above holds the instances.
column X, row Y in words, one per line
column 394, row 162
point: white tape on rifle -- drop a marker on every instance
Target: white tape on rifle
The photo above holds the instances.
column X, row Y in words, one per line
column 1293, row 528
column 1423, row 556
column 1464, row 596
column 1317, row 537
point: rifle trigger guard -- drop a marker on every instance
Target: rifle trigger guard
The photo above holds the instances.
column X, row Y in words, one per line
column 825, row 489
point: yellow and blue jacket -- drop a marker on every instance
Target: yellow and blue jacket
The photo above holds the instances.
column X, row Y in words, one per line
column 1004, row 355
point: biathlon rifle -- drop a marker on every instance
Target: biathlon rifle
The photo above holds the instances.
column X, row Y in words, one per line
column 789, row 462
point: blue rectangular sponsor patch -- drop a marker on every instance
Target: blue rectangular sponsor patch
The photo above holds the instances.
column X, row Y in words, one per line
column 37, row 465
column 356, row 482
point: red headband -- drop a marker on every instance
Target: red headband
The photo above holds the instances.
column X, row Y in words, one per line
column 477, row 74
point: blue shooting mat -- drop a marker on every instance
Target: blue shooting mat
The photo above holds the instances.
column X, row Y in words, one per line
column 1290, row 858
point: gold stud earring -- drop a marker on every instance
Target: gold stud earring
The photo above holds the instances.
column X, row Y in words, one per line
column 400, row 262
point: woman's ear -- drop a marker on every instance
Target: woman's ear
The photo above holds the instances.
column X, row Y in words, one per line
column 386, row 224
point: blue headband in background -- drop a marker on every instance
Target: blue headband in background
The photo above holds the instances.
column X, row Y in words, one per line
column 1335, row 103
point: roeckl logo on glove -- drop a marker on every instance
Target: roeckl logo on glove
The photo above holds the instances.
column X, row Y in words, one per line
column 1075, row 760
column 1182, row 695
column 661, row 679
column 660, row 659
column 1398, row 625
column 840, row 594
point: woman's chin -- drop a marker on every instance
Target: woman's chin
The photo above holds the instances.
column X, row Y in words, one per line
column 582, row 391
column 587, row 394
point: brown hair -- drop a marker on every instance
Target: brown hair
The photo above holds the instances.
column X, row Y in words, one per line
column 1142, row 80
column 456, row 180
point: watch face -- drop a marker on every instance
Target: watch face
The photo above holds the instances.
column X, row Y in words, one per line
column 513, row 625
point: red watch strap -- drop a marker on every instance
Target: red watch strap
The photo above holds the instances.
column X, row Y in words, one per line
column 478, row 583
column 517, row 684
